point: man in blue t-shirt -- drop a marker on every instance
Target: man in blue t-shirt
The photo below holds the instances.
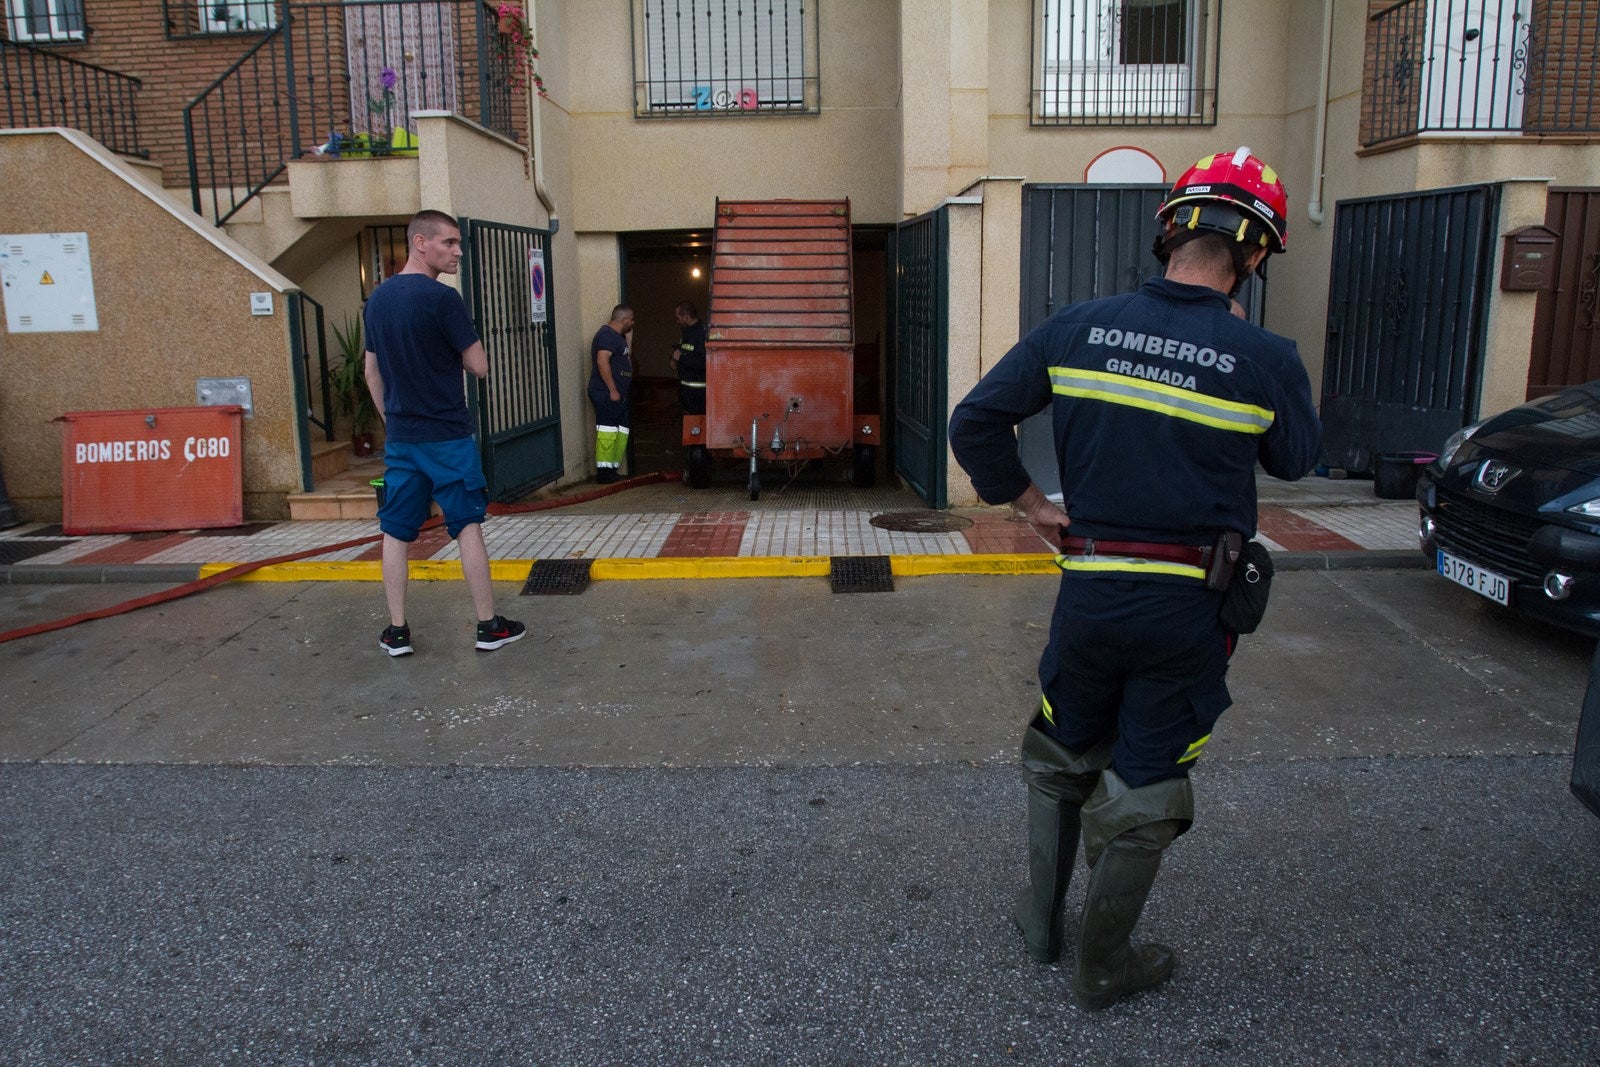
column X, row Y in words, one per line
column 610, row 376
column 419, row 338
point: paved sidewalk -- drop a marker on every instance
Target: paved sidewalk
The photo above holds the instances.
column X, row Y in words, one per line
column 664, row 530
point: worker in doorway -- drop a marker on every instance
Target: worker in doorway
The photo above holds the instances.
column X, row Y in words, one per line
column 689, row 359
column 1163, row 402
column 419, row 339
column 610, row 375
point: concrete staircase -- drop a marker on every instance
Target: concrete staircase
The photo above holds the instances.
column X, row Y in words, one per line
column 343, row 484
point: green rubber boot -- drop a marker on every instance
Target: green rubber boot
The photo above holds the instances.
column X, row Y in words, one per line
column 1110, row 967
column 1059, row 781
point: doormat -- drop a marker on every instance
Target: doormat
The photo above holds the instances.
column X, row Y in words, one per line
column 557, row 577
column 15, row 551
column 920, row 521
column 860, row 574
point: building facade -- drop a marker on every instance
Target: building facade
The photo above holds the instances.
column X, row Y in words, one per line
column 1000, row 157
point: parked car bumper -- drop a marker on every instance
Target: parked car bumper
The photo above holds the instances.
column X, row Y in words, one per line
column 1554, row 569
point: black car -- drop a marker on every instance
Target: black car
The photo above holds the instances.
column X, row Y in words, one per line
column 1511, row 509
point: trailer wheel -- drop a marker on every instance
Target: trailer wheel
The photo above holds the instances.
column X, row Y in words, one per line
column 698, row 467
column 755, row 486
column 864, row 466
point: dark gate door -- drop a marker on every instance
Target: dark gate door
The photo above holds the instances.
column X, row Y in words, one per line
column 1407, row 300
column 1083, row 242
column 921, row 352
column 1566, row 321
column 517, row 406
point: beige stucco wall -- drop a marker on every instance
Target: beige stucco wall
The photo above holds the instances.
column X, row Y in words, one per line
column 637, row 174
column 172, row 304
column 965, row 349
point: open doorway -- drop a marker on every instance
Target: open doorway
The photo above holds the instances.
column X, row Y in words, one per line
column 660, row 268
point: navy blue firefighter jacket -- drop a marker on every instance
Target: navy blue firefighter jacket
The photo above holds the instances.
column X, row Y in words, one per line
column 1162, row 404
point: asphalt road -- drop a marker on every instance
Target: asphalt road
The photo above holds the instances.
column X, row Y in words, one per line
column 751, row 822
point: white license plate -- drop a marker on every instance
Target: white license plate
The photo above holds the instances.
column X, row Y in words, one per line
column 1497, row 587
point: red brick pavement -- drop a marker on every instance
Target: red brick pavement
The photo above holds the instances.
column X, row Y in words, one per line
column 711, row 533
column 1299, row 534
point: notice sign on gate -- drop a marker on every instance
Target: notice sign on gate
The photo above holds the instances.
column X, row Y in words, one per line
column 536, row 283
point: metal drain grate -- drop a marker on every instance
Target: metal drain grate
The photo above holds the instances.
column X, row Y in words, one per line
column 15, row 551
column 557, row 577
column 920, row 521
column 860, row 574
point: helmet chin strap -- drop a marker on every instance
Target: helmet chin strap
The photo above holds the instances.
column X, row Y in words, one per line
column 1166, row 243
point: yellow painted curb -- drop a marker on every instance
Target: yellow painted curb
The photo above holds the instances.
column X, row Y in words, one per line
column 516, row 570
column 1016, row 563
column 712, row 567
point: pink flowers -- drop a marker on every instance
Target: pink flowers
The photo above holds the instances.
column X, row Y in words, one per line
column 513, row 47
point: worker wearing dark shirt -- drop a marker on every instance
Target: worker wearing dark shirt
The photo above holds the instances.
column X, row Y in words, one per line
column 1163, row 403
column 689, row 359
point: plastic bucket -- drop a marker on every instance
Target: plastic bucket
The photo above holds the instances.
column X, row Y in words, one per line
column 1395, row 474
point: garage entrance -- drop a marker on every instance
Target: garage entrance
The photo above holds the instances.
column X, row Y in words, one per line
column 660, row 268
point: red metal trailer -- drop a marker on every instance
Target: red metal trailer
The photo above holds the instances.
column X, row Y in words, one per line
column 780, row 343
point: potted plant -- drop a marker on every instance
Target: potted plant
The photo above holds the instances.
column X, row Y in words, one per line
column 349, row 382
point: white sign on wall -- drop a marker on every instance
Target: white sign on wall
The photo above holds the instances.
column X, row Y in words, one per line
column 47, row 284
column 537, row 283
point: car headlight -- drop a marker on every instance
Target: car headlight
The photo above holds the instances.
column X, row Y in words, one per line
column 1589, row 509
column 1454, row 442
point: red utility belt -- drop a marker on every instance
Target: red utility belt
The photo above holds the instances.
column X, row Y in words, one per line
column 1193, row 555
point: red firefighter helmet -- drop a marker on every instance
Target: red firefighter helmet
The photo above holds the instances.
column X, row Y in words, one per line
column 1238, row 180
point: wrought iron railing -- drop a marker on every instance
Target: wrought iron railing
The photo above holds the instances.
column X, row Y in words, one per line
column 46, row 89
column 1125, row 64
column 342, row 79
column 1481, row 66
column 705, row 58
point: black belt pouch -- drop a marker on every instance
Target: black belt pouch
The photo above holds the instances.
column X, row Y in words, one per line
column 1244, row 604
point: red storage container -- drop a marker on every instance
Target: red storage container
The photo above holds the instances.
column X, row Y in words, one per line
column 152, row 469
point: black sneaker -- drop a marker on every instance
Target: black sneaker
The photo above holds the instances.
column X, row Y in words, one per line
column 498, row 631
column 396, row 641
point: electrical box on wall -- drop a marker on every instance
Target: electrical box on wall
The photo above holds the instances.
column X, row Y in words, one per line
column 47, row 284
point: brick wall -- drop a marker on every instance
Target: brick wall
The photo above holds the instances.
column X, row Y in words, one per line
column 1564, row 63
column 131, row 37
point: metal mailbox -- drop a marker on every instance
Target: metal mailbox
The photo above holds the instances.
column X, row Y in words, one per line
column 152, row 469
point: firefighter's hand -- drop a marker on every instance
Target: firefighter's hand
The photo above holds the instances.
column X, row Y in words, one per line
column 1047, row 520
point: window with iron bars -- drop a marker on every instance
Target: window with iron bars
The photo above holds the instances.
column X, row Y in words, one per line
column 725, row 57
column 1125, row 62
column 45, row 21
column 205, row 18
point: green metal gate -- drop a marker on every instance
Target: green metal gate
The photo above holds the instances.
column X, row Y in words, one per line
column 517, row 406
column 921, row 332
column 1408, row 301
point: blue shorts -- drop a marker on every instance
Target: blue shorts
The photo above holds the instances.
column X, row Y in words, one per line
column 417, row 474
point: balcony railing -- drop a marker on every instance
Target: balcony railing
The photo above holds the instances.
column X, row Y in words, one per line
column 342, row 79
column 1481, row 67
column 46, row 89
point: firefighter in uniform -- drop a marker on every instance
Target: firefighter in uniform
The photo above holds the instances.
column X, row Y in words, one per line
column 689, row 359
column 1163, row 402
